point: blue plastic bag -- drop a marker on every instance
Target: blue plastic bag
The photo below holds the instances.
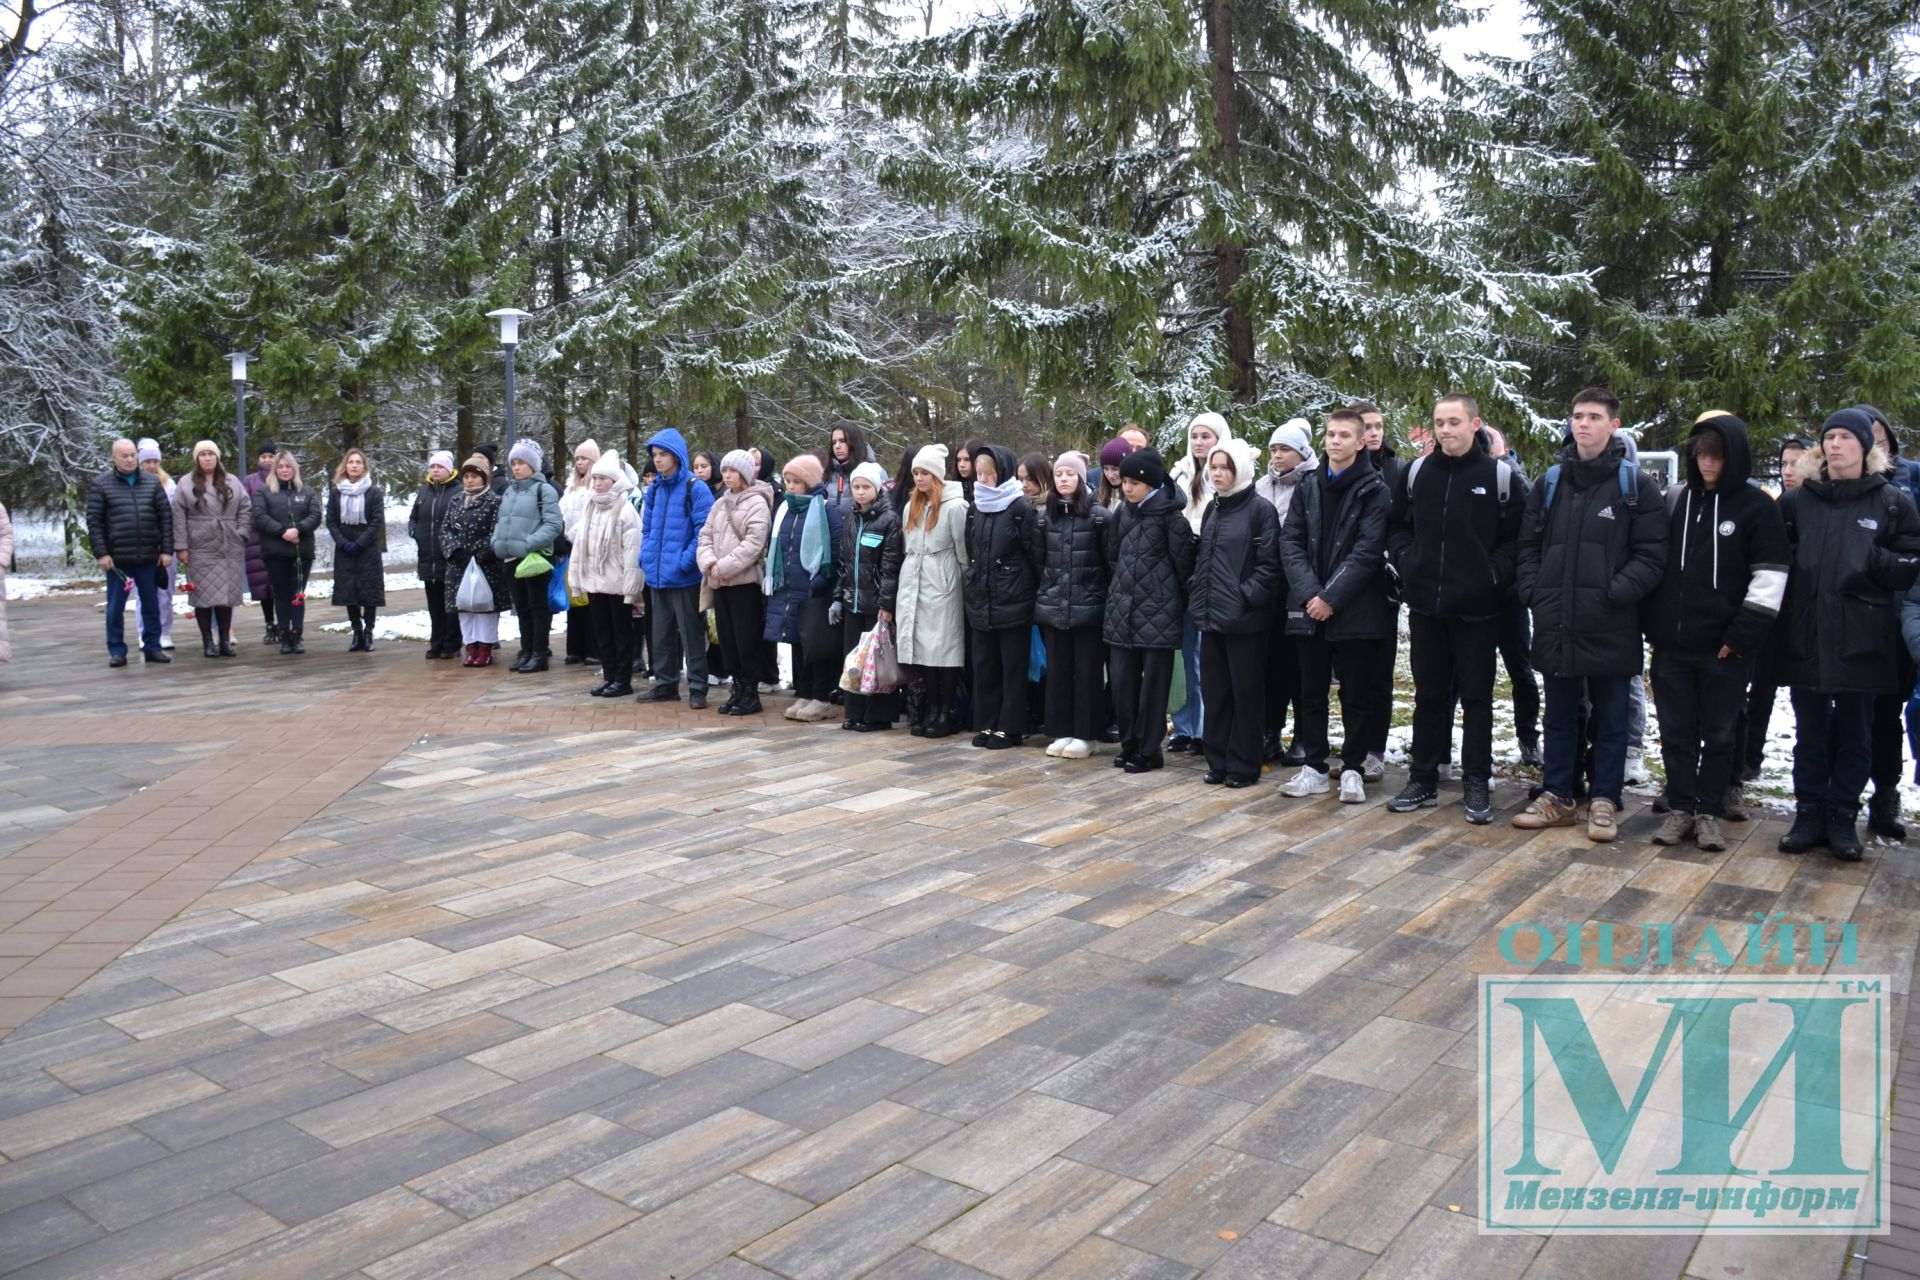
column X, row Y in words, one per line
column 557, row 587
column 1036, row 658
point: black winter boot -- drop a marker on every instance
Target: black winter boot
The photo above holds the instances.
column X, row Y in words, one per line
column 1883, row 815
column 1842, row 840
column 1809, row 830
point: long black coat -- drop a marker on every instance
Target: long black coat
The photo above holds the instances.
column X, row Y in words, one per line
column 1341, row 559
column 999, row 585
column 1586, row 564
column 870, row 553
column 132, row 522
column 359, row 578
column 1072, row 567
column 429, row 511
column 277, row 510
column 1151, row 548
column 1237, row 577
column 1856, row 551
column 467, row 535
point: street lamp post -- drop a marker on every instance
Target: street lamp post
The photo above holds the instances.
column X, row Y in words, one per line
column 509, row 318
column 237, row 363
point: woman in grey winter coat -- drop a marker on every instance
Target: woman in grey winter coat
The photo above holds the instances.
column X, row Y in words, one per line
column 286, row 513
column 357, row 522
column 530, row 522
column 212, row 518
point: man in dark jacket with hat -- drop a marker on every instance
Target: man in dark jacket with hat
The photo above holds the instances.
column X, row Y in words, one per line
column 1708, row 619
column 130, row 529
column 1856, row 551
column 1454, row 534
column 1883, row 811
column 1334, row 549
column 1593, row 545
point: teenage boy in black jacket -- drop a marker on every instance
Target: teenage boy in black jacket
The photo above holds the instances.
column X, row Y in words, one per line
column 1593, row 545
column 1454, row 534
column 1716, row 606
column 1334, row 549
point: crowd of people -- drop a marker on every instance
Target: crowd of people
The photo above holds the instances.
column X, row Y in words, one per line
column 1062, row 595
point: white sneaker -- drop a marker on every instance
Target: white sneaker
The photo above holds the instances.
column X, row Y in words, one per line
column 1353, row 788
column 1636, row 769
column 1075, row 749
column 166, row 642
column 793, row 709
column 813, row 712
column 1373, row 769
column 1446, row 772
column 1053, row 748
column 1308, row 782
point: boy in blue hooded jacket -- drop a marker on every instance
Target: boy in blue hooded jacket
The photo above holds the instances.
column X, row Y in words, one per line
column 671, row 517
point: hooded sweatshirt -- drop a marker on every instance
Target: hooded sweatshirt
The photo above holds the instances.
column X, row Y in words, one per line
column 1727, row 556
column 1182, row 475
column 1237, row 576
column 671, row 517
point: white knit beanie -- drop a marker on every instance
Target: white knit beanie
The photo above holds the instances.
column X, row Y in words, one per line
column 872, row 473
column 526, row 451
column 741, row 463
column 1296, row 434
column 932, row 459
column 440, row 458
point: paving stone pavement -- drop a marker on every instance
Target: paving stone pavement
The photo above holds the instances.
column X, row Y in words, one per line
column 371, row 967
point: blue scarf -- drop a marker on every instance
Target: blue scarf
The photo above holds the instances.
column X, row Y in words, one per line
column 813, row 539
column 996, row 497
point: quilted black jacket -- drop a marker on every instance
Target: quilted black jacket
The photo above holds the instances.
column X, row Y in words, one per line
column 1151, row 548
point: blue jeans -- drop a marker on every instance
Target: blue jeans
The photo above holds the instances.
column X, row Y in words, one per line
column 1561, row 739
column 145, row 578
column 1189, row 720
column 1832, row 748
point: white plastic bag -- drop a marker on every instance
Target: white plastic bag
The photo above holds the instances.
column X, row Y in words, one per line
column 474, row 596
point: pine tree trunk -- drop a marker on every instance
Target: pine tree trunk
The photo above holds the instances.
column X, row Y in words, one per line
column 462, row 165
column 1230, row 259
column 740, row 421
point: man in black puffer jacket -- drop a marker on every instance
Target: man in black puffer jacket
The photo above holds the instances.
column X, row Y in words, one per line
column 1593, row 545
column 1334, row 548
column 1856, row 551
column 1708, row 619
column 1454, row 534
column 130, row 528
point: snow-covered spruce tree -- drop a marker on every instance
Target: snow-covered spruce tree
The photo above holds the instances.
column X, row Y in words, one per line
column 1157, row 206
column 297, row 146
column 1741, row 178
column 682, row 250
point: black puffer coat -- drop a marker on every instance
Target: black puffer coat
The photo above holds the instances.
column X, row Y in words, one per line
column 999, row 585
column 466, row 532
column 277, row 510
column 1334, row 545
column 870, row 553
column 130, row 521
column 1073, row 567
column 1586, row 564
column 1455, row 544
column 1237, row 577
column 428, row 513
column 1151, row 548
column 1856, row 551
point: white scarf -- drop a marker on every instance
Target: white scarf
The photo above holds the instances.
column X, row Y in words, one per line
column 353, row 498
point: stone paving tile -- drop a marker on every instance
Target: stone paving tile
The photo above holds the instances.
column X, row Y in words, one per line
column 1138, row 1021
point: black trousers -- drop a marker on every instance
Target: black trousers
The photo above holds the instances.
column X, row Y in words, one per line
column 1832, row 748
column 1142, row 679
column 1378, row 673
column 1233, row 699
column 740, row 616
column 1283, row 679
column 1889, row 733
column 530, row 606
column 1076, row 682
column 582, row 635
column 1000, row 679
column 876, row 708
column 816, row 674
column 1361, row 718
column 285, row 574
column 445, row 635
column 611, row 619
column 1699, row 697
column 1516, row 654
column 1452, row 659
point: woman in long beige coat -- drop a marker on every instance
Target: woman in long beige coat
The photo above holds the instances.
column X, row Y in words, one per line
column 6, row 558
column 930, row 619
column 212, row 515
